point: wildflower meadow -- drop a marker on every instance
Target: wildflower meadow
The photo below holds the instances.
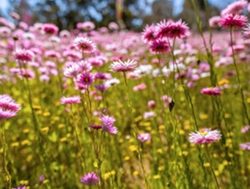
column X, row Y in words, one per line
column 107, row 108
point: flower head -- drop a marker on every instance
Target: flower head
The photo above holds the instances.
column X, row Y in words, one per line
column 212, row 91
column 8, row 107
column 84, row 44
column 172, row 29
column 235, row 7
column 70, row 100
column 159, row 46
column 204, row 136
column 108, row 124
column 24, row 55
column 144, row 137
column 233, row 21
column 90, row 179
column 87, row 26
column 123, row 66
column 245, row 146
column 50, row 28
column 214, row 21
column 71, row 70
column 245, row 129
column 149, row 34
column 85, row 79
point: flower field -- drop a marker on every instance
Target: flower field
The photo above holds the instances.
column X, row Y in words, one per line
column 106, row 108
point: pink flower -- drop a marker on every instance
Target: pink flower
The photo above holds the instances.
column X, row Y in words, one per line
column 233, row 21
column 166, row 100
column 148, row 115
column 140, row 87
column 50, row 28
column 123, row 66
column 214, row 21
column 71, row 70
column 172, row 29
column 90, row 179
column 24, row 55
column 84, row 44
column 235, row 7
column 212, row 91
column 144, row 137
column 108, row 124
column 70, row 100
column 151, row 104
column 204, row 136
column 87, row 26
column 159, row 46
column 113, row 26
column 245, row 129
column 85, row 79
column 245, row 146
column 8, row 107
column 149, row 33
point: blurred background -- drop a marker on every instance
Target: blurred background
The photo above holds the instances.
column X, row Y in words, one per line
column 130, row 14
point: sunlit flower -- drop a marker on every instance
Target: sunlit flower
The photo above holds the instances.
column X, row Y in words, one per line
column 84, row 44
column 204, row 136
column 123, row 66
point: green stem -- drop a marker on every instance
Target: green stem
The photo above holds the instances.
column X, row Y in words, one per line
column 211, row 168
column 238, row 78
column 5, row 162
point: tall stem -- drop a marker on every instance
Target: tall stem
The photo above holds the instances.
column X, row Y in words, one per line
column 5, row 163
column 238, row 78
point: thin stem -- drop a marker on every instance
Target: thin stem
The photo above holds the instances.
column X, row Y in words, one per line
column 238, row 78
column 211, row 168
column 5, row 163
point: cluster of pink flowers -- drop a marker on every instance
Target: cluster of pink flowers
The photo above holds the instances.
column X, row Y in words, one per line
column 160, row 35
